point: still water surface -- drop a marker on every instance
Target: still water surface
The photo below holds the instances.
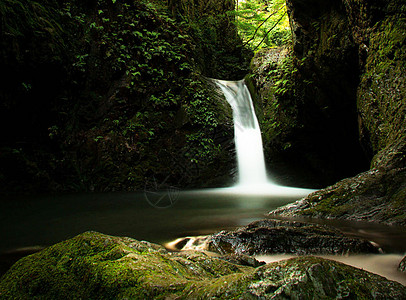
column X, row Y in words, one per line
column 45, row 220
column 156, row 217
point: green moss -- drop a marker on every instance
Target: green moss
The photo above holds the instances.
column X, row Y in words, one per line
column 93, row 265
column 107, row 80
column 218, row 48
column 274, row 75
column 383, row 85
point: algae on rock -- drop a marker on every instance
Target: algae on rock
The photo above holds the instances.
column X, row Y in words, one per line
column 93, row 265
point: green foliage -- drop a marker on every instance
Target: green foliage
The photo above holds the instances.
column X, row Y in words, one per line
column 280, row 111
column 218, row 48
column 382, row 93
column 118, row 87
column 263, row 23
column 203, row 148
column 282, row 76
column 37, row 18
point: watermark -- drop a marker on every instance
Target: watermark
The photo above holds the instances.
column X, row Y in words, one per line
column 163, row 192
column 161, row 195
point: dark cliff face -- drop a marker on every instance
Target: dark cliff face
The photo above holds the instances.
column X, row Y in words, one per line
column 324, row 44
column 312, row 98
column 218, row 48
column 354, row 55
column 358, row 46
column 108, row 95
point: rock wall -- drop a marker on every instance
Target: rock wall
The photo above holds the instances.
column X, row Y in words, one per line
column 218, row 48
column 310, row 111
column 106, row 95
column 368, row 40
column 359, row 47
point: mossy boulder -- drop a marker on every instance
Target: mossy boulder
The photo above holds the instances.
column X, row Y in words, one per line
column 93, row 265
column 304, row 278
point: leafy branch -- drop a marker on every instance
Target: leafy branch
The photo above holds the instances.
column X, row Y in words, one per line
column 260, row 23
column 263, row 22
column 266, row 34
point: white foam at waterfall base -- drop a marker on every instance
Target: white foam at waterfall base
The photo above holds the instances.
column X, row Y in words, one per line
column 252, row 176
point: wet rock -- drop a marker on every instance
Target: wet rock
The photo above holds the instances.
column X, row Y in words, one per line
column 200, row 243
column 240, row 259
column 95, row 266
column 276, row 236
column 315, row 278
column 402, row 265
column 374, row 196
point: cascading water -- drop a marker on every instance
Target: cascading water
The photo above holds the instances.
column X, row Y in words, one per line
column 248, row 140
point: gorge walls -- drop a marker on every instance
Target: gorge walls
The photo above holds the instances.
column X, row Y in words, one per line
column 109, row 95
column 347, row 59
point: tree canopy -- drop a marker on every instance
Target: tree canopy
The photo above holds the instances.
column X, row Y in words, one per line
column 263, row 23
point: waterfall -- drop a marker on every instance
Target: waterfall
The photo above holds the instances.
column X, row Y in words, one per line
column 248, row 140
column 253, row 179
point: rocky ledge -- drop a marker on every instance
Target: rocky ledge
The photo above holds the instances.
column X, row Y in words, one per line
column 277, row 236
column 94, row 266
column 377, row 195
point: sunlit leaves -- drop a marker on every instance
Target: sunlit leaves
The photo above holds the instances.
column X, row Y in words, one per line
column 263, row 23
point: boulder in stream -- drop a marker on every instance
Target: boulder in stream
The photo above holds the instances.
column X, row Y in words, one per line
column 94, row 266
column 277, row 236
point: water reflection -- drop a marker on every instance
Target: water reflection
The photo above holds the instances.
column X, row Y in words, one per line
column 45, row 220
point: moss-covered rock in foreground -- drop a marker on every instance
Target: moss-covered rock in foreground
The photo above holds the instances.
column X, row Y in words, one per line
column 93, row 265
